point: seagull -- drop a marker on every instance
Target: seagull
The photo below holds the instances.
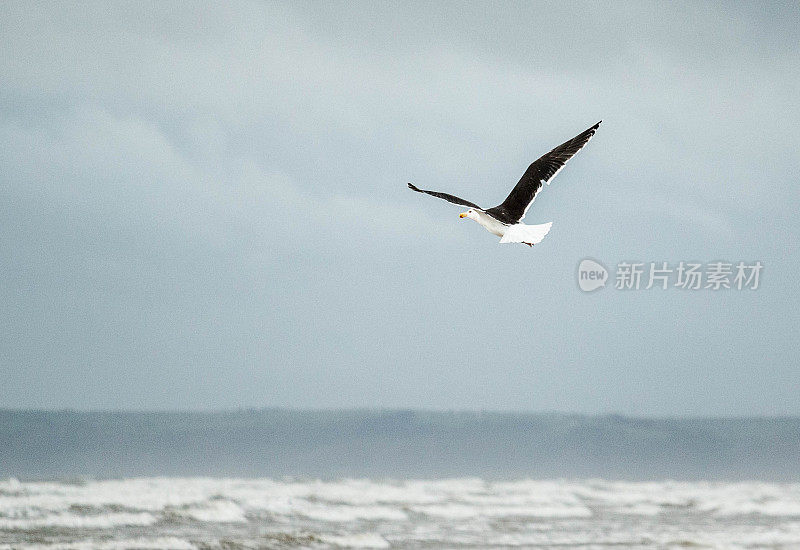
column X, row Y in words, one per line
column 504, row 220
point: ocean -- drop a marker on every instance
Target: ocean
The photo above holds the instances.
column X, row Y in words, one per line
column 205, row 513
column 395, row 479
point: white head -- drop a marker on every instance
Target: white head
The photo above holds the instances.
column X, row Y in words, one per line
column 471, row 214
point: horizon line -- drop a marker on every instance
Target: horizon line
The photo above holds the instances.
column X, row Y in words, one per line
column 395, row 410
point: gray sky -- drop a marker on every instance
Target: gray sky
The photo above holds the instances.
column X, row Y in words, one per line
column 204, row 206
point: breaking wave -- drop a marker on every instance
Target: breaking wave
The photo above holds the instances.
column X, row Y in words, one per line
column 204, row 513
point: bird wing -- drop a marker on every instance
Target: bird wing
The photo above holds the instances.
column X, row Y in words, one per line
column 516, row 205
column 445, row 196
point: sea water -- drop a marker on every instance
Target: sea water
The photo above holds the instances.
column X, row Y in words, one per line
column 205, row 513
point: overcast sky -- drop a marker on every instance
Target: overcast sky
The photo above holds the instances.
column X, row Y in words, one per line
column 205, row 206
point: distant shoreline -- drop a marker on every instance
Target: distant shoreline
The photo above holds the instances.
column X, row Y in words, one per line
column 397, row 444
column 396, row 410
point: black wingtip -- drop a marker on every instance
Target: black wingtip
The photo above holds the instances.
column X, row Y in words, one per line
column 412, row 187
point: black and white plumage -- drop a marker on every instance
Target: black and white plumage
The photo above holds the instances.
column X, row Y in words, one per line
column 504, row 220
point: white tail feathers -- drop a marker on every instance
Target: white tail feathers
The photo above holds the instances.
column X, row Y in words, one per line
column 529, row 234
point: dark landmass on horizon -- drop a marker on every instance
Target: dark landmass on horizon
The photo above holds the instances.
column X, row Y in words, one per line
column 394, row 444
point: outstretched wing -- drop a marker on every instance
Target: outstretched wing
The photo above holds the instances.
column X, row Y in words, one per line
column 516, row 205
column 445, row 196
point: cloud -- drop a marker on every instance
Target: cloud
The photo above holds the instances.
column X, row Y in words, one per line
column 222, row 187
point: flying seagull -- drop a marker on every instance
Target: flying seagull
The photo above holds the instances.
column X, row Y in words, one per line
column 504, row 219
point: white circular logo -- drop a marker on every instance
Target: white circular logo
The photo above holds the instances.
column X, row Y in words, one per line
column 591, row 275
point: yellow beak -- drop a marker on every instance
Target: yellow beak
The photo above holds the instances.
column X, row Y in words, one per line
column 462, row 215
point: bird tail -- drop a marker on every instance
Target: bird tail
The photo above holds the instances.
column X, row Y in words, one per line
column 529, row 234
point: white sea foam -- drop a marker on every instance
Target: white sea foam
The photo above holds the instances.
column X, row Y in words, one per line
column 216, row 511
column 158, row 543
column 184, row 513
column 463, row 511
column 74, row 521
column 350, row 513
column 362, row 540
